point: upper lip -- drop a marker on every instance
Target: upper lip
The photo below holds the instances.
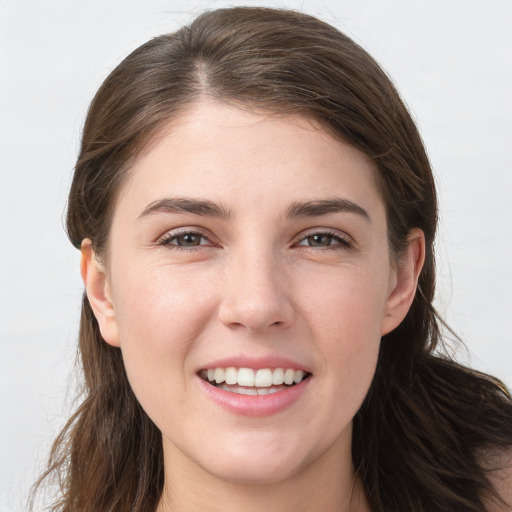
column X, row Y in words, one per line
column 271, row 362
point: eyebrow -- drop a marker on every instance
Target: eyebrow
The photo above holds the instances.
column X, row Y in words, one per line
column 201, row 207
column 325, row 207
column 208, row 208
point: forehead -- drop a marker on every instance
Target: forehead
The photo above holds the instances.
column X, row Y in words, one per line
column 247, row 158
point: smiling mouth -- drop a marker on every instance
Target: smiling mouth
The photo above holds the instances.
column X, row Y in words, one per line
column 246, row 381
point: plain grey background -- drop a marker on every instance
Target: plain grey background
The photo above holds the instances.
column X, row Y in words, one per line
column 452, row 63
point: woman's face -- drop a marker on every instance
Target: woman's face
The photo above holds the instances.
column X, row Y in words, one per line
column 257, row 244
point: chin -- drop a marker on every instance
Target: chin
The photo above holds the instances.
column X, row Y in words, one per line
column 258, row 462
column 250, row 473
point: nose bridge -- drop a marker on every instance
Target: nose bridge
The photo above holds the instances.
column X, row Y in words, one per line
column 255, row 293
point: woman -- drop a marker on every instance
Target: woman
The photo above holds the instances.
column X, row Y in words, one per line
column 256, row 215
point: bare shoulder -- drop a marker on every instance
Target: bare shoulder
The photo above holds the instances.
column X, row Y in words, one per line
column 501, row 478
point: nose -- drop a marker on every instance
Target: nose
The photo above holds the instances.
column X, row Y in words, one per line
column 256, row 294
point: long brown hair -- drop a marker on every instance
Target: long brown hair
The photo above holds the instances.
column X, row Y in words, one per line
column 420, row 432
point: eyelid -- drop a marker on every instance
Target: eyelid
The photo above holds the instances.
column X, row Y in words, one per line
column 346, row 241
column 168, row 236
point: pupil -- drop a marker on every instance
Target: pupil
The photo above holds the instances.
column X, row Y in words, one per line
column 320, row 240
column 188, row 240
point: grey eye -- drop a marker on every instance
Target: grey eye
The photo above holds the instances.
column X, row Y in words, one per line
column 326, row 240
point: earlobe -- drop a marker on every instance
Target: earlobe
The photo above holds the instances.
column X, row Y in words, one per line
column 99, row 293
column 405, row 282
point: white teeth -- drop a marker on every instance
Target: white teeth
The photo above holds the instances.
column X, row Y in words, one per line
column 277, row 376
column 246, row 377
column 269, row 391
column 261, row 379
column 219, row 375
column 231, row 376
column 239, row 390
column 251, row 391
column 289, row 376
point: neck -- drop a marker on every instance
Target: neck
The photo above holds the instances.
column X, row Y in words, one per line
column 328, row 484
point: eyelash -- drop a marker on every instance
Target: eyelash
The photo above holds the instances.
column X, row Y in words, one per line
column 342, row 243
column 168, row 239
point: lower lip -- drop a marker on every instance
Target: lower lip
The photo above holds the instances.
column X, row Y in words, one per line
column 258, row 406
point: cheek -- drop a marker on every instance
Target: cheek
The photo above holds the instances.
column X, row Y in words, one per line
column 161, row 313
column 346, row 305
column 345, row 316
column 163, row 303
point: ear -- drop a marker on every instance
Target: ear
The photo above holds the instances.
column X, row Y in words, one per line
column 99, row 293
column 404, row 282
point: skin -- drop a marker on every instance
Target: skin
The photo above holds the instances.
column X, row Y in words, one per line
column 259, row 285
